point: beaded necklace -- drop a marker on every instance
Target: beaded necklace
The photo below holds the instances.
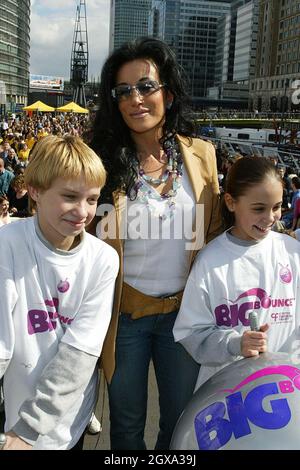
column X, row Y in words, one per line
column 173, row 171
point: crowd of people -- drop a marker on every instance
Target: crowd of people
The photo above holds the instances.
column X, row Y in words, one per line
column 126, row 257
column 25, row 128
column 18, row 136
column 290, row 207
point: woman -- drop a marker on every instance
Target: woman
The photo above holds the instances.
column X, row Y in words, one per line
column 18, row 197
column 158, row 173
column 4, row 211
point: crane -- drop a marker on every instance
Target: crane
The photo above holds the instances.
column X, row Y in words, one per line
column 80, row 56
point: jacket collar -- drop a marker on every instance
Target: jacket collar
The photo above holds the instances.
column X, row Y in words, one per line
column 191, row 165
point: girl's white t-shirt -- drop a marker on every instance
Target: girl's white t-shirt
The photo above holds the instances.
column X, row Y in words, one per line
column 226, row 283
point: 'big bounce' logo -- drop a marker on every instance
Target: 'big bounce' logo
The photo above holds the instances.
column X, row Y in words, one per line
column 43, row 321
column 235, row 312
column 219, row 422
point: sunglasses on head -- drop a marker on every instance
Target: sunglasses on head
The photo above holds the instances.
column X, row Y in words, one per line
column 123, row 92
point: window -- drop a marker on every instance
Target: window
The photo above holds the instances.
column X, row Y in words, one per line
column 243, row 136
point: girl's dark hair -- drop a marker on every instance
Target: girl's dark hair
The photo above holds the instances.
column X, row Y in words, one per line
column 244, row 174
column 111, row 137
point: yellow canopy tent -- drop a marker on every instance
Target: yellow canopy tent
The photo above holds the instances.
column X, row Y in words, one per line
column 72, row 108
column 39, row 106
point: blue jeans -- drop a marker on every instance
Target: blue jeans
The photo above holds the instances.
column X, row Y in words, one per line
column 138, row 342
column 287, row 219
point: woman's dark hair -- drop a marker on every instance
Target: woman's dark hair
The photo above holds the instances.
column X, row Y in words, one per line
column 111, row 137
column 296, row 182
column 245, row 173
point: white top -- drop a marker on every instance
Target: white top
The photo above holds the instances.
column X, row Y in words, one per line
column 156, row 261
column 48, row 298
column 297, row 234
column 228, row 281
column 9, row 220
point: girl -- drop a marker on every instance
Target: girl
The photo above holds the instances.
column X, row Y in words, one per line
column 247, row 268
column 4, row 211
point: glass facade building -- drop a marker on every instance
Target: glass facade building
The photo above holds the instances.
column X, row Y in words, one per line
column 224, row 52
column 129, row 19
column 246, row 41
column 190, row 28
column 234, row 41
column 14, row 51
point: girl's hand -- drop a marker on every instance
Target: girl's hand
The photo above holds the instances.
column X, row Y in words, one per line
column 14, row 442
column 254, row 342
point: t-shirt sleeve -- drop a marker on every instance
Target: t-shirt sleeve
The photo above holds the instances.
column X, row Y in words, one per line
column 59, row 387
column 196, row 329
column 8, row 301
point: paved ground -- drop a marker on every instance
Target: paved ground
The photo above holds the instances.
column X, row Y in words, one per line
column 101, row 441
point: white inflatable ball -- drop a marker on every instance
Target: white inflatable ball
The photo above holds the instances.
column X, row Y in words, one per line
column 253, row 404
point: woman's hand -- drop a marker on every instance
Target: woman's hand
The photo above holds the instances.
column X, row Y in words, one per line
column 254, row 342
column 14, row 442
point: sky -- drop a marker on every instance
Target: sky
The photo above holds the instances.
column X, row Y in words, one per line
column 52, row 28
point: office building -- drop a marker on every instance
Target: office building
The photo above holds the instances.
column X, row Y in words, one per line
column 191, row 29
column 278, row 56
column 14, row 53
column 129, row 19
column 235, row 54
column 246, row 42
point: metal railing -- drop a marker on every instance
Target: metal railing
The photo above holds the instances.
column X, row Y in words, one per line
column 246, row 115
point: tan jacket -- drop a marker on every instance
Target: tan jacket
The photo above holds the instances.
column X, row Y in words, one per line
column 200, row 164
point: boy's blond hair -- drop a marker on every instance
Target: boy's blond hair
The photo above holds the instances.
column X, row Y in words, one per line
column 63, row 157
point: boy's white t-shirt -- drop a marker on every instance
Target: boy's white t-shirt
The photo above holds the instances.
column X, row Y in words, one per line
column 228, row 281
column 48, row 298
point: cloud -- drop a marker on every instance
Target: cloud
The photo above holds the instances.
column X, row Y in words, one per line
column 52, row 29
column 55, row 5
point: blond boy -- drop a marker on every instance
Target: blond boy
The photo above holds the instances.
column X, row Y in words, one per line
column 57, row 291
